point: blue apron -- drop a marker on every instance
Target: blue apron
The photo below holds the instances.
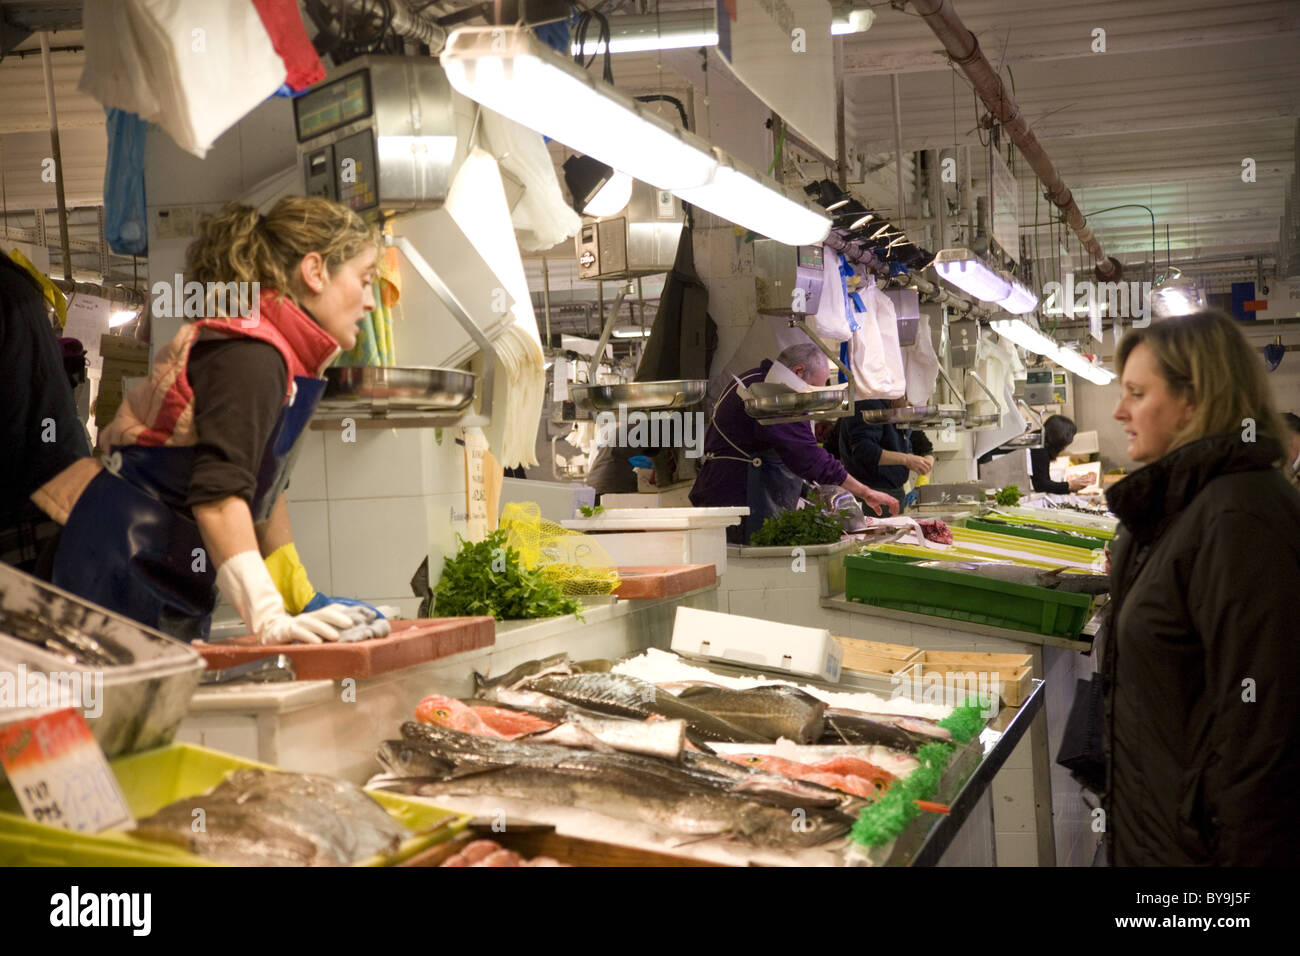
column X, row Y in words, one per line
column 769, row 490
column 131, row 544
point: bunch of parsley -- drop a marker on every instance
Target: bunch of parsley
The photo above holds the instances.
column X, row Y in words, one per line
column 801, row 526
column 489, row 577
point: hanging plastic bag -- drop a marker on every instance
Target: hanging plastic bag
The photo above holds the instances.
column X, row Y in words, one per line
column 877, row 359
column 830, row 321
column 921, row 365
column 125, row 225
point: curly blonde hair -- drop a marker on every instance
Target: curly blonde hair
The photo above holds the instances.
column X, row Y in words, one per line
column 239, row 245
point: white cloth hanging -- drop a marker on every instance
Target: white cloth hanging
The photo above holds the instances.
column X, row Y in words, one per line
column 192, row 67
column 830, row 321
column 877, row 360
column 542, row 218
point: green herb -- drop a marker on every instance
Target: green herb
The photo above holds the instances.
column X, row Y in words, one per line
column 588, row 511
column 1008, row 496
column 489, row 577
column 799, row 527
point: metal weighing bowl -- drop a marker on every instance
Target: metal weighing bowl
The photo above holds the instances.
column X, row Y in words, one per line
column 782, row 404
column 915, row 415
column 640, row 395
column 402, row 387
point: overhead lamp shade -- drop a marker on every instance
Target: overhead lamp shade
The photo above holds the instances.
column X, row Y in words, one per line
column 740, row 195
column 1020, row 300
column 1073, row 361
column 597, row 189
column 966, row 271
column 1175, row 297
column 508, row 70
column 1021, row 333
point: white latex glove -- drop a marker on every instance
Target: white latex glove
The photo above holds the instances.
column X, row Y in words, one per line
column 247, row 584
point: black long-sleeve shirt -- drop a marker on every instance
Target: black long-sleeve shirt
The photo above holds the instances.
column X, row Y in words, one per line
column 861, row 445
column 1040, row 473
column 239, row 386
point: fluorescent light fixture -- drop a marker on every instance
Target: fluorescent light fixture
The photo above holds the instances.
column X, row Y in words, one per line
column 859, row 223
column 836, row 205
column 743, row 196
column 631, row 333
column 122, row 317
column 1073, row 361
column 966, row 271
column 508, row 70
column 1026, row 336
column 853, row 21
column 670, row 30
column 1019, row 301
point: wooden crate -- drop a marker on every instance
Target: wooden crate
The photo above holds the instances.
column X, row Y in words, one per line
column 1015, row 671
column 854, row 646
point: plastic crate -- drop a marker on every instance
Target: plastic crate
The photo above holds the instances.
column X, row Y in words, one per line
column 894, row 581
column 153, row 779
column 1076, row 539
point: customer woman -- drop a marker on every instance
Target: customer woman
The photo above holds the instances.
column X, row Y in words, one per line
column 1058, row 432
column 1202, row 661
column 190, row 493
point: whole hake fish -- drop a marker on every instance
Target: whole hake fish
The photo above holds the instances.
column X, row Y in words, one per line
column 772, row 711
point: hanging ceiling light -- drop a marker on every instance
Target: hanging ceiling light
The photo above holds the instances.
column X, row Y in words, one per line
column 1073, row 361
column 967, row 271
column 668, row 30
column 508, row 70
column 740, row 195
column 597, row 189
column 1176, row 295
column 1025, row 335
column 847, row 21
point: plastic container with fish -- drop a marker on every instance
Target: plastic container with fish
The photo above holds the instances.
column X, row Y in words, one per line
column 151, row 781
column 147, row 677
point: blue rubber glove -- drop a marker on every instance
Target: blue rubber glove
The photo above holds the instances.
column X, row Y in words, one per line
column 640, row 461
column 319, row 601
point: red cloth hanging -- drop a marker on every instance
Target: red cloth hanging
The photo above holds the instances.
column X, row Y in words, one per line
column 284, row 25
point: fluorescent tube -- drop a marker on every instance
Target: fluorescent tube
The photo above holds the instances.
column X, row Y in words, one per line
column 508, row 70
column 740, row 195
column 963, row 268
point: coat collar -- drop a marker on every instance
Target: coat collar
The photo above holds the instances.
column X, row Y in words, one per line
column 1149, row 497
column 314, row 348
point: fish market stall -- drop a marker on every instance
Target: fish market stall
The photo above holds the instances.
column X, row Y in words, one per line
column 713, row 763
column 331, row 726
column 1041, row 816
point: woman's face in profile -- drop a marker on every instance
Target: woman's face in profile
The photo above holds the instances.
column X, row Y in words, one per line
column 1152, row 415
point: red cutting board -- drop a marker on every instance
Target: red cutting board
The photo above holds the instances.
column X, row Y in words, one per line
column 661, row 581
column 411, row 642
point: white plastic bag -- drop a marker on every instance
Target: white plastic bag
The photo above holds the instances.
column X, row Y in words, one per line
column 542, row 218
column 877, row 360
column 921, row 365
column 830, row 321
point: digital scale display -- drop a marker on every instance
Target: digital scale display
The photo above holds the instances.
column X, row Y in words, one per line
column 336, row 104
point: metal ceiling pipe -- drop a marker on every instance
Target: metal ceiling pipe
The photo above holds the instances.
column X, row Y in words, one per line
column 407, row 24
column 964, row 50
column 58, row 156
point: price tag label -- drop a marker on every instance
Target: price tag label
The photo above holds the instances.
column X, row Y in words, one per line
column 476, row 446
column 60, row 776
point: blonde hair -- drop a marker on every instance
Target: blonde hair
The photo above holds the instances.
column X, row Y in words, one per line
column 1205, row 359
column 239, row 245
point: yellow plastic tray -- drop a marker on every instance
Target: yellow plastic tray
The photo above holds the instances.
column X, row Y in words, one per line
column 155, row 778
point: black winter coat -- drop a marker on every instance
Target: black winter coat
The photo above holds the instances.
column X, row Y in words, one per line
column 1202, row 665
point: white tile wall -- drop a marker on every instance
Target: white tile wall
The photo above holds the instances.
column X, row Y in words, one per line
column 308, row 480
column 376, row 545
column 311, row 535
column 387, row 463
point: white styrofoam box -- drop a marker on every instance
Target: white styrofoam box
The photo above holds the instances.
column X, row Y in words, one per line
column 310, row 521
column 558, row 500
column 758, row 643
column 697, row 546
column 381, row 463
column 376, row 544
column 658, row 519
column 679, row 496
column 308, row 480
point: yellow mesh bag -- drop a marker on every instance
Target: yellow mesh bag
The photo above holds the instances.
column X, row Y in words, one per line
column 571, row 559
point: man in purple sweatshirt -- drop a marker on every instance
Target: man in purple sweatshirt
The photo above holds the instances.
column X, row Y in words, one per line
column 747, row 463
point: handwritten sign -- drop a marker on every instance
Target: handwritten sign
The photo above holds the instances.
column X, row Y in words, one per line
column 60, row 776
column 476, row 487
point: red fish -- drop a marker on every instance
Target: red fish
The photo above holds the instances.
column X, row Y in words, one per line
column 485, row 720
column 849, row 783
column 857, row 767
